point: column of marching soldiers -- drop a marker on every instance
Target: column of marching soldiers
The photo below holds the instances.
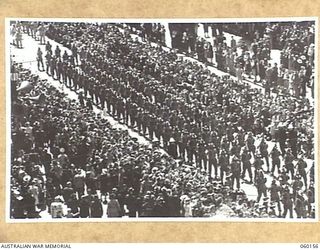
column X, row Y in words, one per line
column 139, row 105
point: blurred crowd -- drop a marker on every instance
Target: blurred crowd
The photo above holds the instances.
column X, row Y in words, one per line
column 218, row 133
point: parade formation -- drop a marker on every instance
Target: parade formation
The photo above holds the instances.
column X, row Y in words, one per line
column 227, row 117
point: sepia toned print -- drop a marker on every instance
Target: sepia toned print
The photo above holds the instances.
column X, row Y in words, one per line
column 136, row 120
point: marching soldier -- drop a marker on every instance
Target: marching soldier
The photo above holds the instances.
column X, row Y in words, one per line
column 202, row 155
column 53, row 63
column 275, row 156
column 152, row 126
column 302, row 165
column 275, row 190
column 40, row 59
column 59, row 69
column 246, row 164
column 260, row 183
column 224, row 164
column 213, row 162
column 236, row 171
column 172, row 148
column 287, row 202
column 263, row 147
column 288, row 160
column 48, row 59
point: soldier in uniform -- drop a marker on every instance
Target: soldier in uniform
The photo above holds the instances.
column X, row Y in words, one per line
column 102, row 93
column 288, row 160
column 57, row 52
column 300, row 205
column 53, row 63
column 145, row 122
column 246, row 164
column 172, row 148
column 263, row 147
column 287, row 202
column 59, row 69
column 48, row 60
column 184, row 143
column 108, row 99
column 159, row 128
column 48, row 47
column 167, row 133
column 213, row 162
column 42, row 33
column 257, row 164
column 192, row 144
column 64, row 72
column 202, row 155
column 74, row 51
column 275, row 155
column 275, row 190
column 40, row 59
column 236, row 171
column 302, row 165
column 152, row 126
column 69, row 75
column 260, row 183
column 139, row 118
column 250, row 143
column 224, row 164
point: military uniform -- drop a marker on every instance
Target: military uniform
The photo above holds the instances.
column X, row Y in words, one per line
column 236, row 172
column 275, row 155
column 260, row 183
column 246, row 164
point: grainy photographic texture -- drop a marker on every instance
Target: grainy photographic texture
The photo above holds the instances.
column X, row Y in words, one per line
column 161, row 120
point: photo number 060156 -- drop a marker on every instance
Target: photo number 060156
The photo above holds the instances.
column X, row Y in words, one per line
column 155, row 119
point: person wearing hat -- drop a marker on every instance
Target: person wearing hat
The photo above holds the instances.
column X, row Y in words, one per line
column 84, row 206
column 172, row 148
column 131, row 203
column 250, row 143
column 152, row 125
column 301, row 167
column 311, row 197
column 300, row 205
column 63, row 158
column 202, row 155
column 40, row 59
column 263, row 148
column 224, row 164
column 236, row 172
column 260, row 183
column 191, row 147
column 288, row 160
column 246, row 164
column 275, row 190
column 287, row 202
column 148, row 205
column 184, row 143
column 79, row 182
column 258, row 163
column 67, row 191
column 213, row 162
column 275, row 156
column 96, row 207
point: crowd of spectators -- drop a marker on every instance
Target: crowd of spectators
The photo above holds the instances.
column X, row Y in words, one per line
column 251, row 57
column 217, row 126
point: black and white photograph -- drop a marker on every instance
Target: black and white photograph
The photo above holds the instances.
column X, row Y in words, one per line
column 161, row 120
